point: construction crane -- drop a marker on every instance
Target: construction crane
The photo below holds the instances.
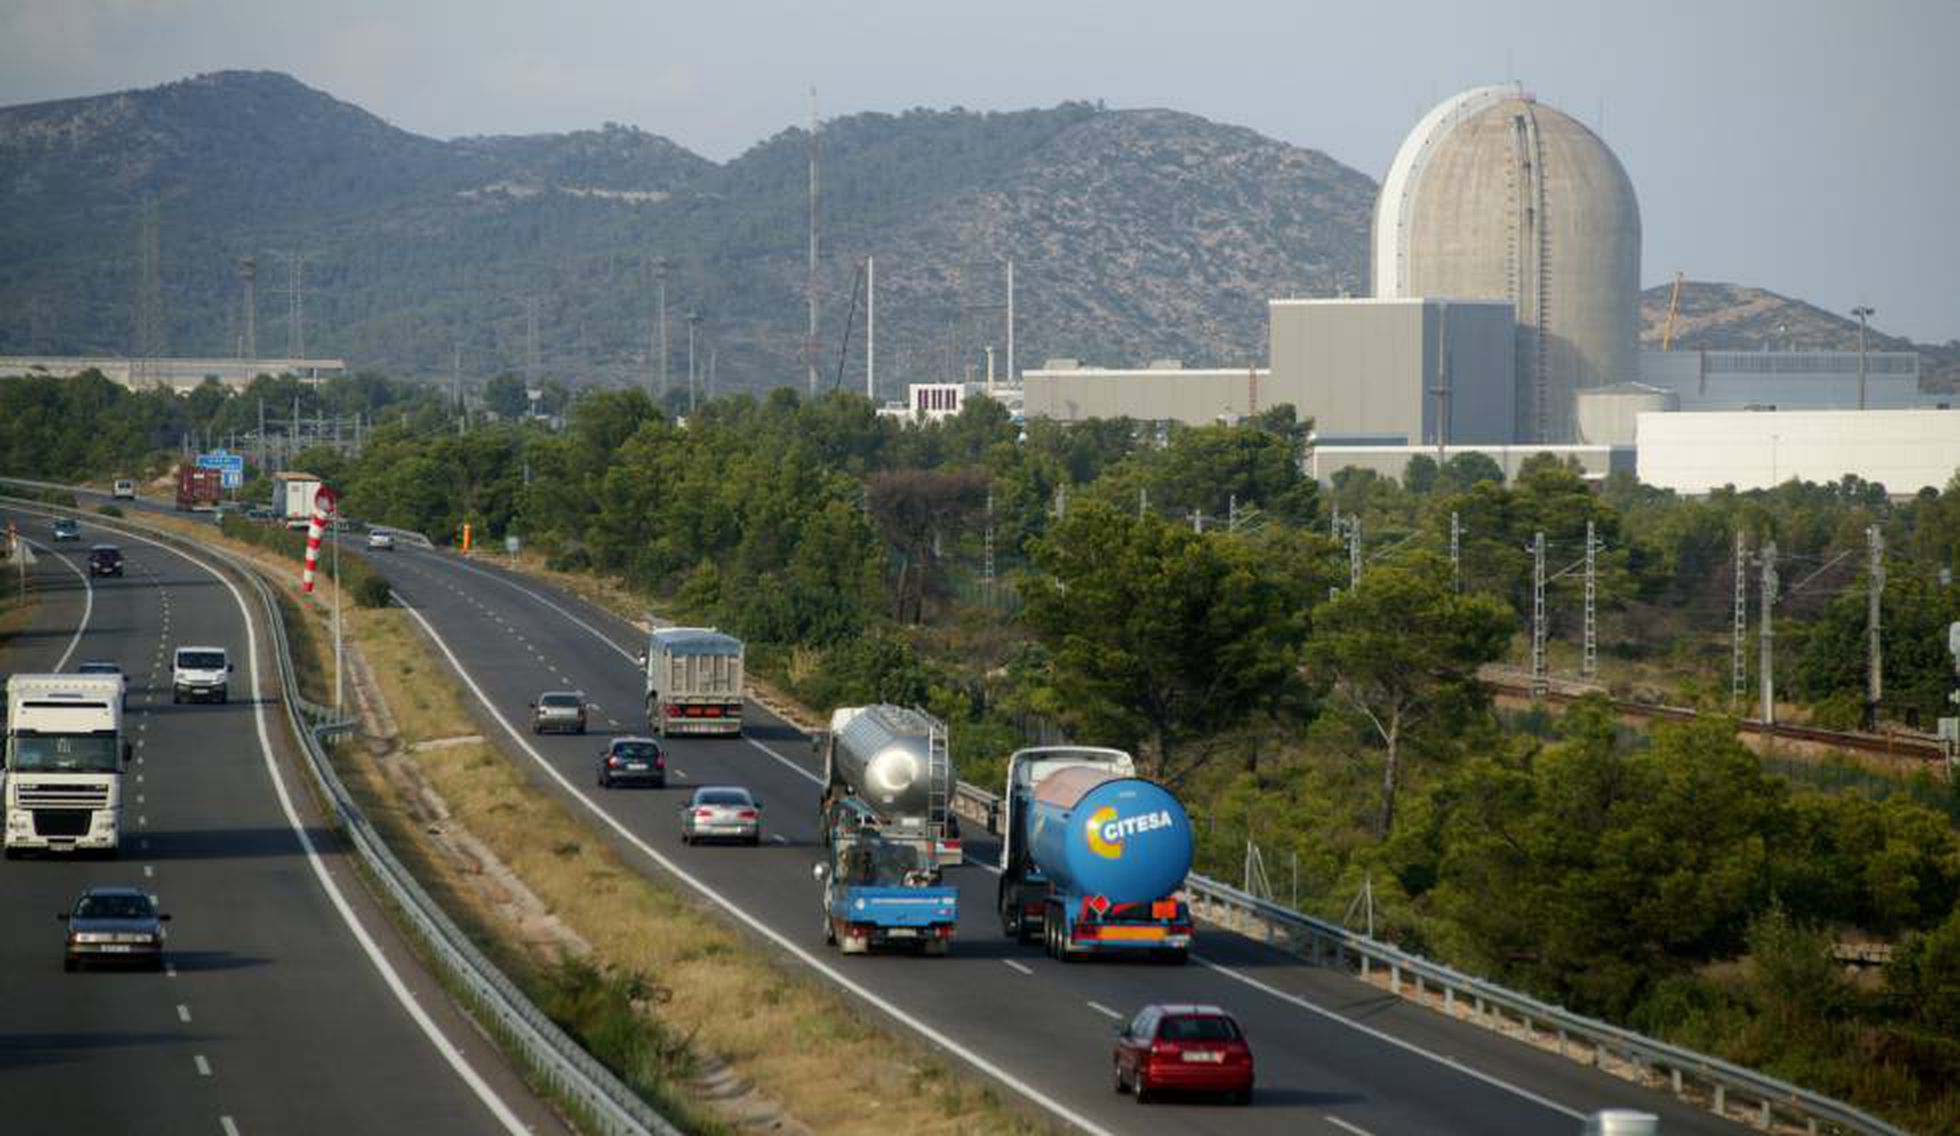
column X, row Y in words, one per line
column 1673, row 306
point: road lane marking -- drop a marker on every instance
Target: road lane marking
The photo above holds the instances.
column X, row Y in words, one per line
column 183, row 1012
column 451, row 1054
column 1105, row 1011
column 1390, row 1039
column 88, row 603
column 149, row 870
column 203, row 1066
column 1012, row 965
column 873, row 998
column 231, row 1128
column 1346, row 1127
column 170, row 970
column 779, row 838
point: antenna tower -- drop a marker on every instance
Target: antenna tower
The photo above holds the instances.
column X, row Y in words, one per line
column 148, row 338
column 248, row 339
column 810, row 342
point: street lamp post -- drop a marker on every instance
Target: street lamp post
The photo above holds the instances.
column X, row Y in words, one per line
column 692, row 319
column 1863, row 313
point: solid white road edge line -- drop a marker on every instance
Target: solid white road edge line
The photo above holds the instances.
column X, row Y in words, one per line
column 1390, row 1039
column 88, row 602
column 924, row 1029
column 505, row 1117
column 1282, row 995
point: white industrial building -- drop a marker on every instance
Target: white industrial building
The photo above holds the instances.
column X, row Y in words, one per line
column 1903, row 450
column 179, row 375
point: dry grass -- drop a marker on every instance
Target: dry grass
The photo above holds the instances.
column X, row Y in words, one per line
column 799, row 1043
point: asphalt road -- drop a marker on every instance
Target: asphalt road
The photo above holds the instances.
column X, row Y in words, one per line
column 275, row 1013
column 1334, row 1055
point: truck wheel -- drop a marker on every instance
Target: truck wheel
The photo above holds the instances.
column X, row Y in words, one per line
column 68, row 965
column 933, row 948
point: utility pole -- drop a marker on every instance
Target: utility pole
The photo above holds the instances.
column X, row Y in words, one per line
column 248, row 339
column 1456, row 551
column 1767, row 665
column 1232, row 513
column 987, row 567
column 531, row 342
column 660, row 287
column 1354, row 551
column 810, row 343
column 1061, row 501
column 1143, row 502
column 692, row 319
column 1539, row 685
column 1589, row 662
column 1863, row 312
column 1198, row 521
column 871, row 329
column 1013, row 376
column 1739, row 664
column 1875, row 661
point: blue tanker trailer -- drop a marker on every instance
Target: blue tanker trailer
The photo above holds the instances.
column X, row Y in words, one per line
column 1098, row 852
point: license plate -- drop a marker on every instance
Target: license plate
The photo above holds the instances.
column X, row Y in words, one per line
column 903, row 933
column 114, row 948
column 637, row 766
column 1203, row 1055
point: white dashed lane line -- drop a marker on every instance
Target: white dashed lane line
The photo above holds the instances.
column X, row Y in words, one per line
column 1105, row 1011
column 1346, row 1127
column 1015, row 966
column 229, row 1125
column 183, row 1012
column 149, row 870
column 203, row 1066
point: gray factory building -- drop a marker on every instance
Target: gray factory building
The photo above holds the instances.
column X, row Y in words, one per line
column 1784, row 380
column 1397, row 372
column 1163, row 392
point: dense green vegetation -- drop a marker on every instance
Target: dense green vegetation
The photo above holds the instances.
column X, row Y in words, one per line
column 1671, row 881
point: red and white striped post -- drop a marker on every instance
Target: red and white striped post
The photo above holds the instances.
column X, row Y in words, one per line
column 323, row 506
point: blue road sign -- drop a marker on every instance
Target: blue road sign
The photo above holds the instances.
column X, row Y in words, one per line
column 230, row 467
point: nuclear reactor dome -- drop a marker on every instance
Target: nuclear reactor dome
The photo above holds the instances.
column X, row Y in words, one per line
column 1497, row 196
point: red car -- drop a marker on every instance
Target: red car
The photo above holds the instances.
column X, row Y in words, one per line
column 1183, row 1048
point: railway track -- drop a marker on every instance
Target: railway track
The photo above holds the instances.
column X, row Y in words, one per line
column 1895, row 744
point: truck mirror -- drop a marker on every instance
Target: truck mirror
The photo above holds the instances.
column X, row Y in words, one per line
column 164, row 918
column 127, row 751
column 641, row 658
column 62, row 916
column 819, row 871
column 230, row 667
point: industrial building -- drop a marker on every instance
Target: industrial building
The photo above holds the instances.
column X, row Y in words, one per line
column 1396, row 372
column 1494, row 195
column 1784, row 380
column 1595, row 462
column 179, row 375
column 1903, row 450
column 1162, row 392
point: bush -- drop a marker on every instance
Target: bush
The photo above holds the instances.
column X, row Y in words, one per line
column 371, row 591
column 108, row 510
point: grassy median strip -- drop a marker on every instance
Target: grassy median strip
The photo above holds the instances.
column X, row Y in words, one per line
column 799, row 1043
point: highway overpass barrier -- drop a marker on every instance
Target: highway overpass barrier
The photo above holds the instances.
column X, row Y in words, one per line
column 1728, row 1090
column 607, row 1104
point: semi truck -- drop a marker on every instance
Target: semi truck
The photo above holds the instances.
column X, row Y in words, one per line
column 65, row 755
column 887, row 822
column 198, row 489
column 694, row 681
column 292, row 495
column 1092, row 856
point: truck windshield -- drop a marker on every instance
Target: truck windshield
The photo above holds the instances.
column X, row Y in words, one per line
column 201, row 660
column 880, row 863
column 64, row 753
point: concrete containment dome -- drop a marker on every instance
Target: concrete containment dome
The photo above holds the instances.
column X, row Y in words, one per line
column 1496, row 196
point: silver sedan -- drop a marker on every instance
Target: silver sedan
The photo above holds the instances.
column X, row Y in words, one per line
column 721, row 812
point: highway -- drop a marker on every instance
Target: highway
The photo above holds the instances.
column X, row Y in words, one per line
column 1334, row 1055
column 289, row 1003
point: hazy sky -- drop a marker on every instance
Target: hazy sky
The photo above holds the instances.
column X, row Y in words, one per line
column 1806, row 147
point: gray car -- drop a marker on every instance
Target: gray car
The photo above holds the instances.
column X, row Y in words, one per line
column 114, row 924
column 560, row 710
column 721, row 812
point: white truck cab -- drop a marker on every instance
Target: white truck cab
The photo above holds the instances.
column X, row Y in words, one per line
column 200, row 674
column 125, row 489
column 65, row 755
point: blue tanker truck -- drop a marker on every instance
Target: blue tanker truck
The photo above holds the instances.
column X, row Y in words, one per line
column 1093, row 856
column 886, row 820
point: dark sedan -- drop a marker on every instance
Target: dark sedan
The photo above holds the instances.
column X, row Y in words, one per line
column 116, row 925
column 632, row 761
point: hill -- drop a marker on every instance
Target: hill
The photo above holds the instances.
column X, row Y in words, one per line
column 1731, row 317
column 1135, row 234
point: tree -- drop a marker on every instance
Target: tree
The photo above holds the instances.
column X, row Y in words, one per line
column 918, row 511
column 505, row 397
column 1403, row 651
column 1464, row 471
column 1159, row 635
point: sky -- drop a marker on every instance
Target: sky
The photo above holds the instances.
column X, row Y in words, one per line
column 1806, row 147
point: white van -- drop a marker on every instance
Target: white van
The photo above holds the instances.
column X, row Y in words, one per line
column 199, row 674
column 125, row 490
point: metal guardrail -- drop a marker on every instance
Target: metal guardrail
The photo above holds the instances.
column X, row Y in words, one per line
column 1728, row 1090
column 609, row 1104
